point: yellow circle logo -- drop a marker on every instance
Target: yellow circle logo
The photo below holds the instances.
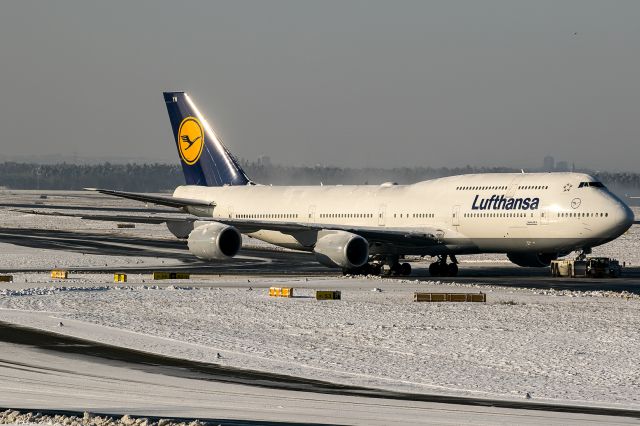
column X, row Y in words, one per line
column 190, row 140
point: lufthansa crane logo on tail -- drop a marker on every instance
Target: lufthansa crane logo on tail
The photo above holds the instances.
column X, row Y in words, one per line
column 190, row 140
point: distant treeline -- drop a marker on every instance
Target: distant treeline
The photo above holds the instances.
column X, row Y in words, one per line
column 165, row 177
column 129, row 177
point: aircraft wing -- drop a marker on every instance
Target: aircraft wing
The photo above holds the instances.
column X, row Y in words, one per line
column 155, row 199
column 425, row 236
column 153, row 219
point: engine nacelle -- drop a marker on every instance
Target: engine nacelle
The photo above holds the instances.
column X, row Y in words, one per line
column 214, row 241
column 180, row 228
column 532, row 260
column 341, row 249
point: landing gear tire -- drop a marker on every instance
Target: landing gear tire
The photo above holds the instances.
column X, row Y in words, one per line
column 366, row 269
column 452, row 270
column 405, row 269
column 443, row 269
column 395, row 269
column 376, row 269
column 434, row 269
column 390, row 266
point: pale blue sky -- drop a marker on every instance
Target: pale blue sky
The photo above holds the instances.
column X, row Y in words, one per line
column 347, row 83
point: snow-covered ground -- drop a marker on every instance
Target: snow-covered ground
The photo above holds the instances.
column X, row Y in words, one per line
column 561, row 346
column 46, row 380
column 19, row 257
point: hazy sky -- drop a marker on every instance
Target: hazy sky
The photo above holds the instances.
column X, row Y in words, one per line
column 348, row 83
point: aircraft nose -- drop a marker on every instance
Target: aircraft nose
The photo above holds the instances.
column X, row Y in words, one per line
column 624, row 217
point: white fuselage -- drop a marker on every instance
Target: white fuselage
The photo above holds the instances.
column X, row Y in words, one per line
column 498, row 212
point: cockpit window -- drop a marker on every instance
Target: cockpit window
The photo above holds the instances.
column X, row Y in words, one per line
column 593, row 184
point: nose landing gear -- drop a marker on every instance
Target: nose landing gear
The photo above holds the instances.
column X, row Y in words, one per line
column 583, row 254
column 441, row 268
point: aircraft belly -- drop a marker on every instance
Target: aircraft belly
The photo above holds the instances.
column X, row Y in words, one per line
column 542, row 238
column 279, row 239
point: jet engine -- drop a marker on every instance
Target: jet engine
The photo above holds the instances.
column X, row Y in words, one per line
column 534, row 260
column 341, row 249
column 214, row 241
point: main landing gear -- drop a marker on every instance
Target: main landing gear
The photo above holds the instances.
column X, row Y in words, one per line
column 389, row 266
column 441, row 268
column 583, row 254
column 396, row 268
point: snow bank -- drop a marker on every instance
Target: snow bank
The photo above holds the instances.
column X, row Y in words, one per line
column 41, row 291
column 31, row 418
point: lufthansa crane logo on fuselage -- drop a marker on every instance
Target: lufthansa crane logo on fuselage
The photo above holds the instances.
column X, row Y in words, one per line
column 575, row 203
column 190, row 140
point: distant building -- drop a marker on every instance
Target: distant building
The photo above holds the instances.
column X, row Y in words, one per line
column 549, row 164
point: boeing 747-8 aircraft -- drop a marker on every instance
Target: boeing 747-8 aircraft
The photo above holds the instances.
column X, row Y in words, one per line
column 532, row 217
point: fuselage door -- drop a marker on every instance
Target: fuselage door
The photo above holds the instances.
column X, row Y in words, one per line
column 381, row 212
column 455, row 216
column 230, row 210
column 312, row 214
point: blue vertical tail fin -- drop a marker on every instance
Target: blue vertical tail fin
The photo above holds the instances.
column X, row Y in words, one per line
column 205, row 160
